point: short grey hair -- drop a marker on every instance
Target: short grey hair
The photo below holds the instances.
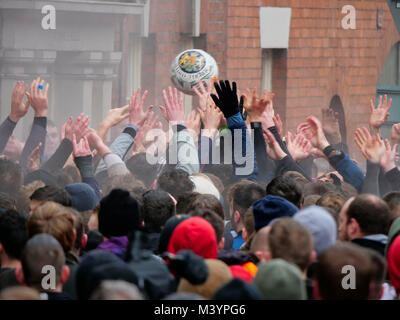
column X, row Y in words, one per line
column 117, row 290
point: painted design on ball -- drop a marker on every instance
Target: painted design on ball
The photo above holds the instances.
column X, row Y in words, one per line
column 189, row 67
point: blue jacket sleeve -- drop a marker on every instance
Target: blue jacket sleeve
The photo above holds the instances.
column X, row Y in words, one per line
column 244, row 162
column 350, row 172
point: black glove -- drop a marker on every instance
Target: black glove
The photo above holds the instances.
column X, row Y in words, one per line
column 227, row 100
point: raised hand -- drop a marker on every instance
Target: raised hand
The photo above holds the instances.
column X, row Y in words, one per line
column 274, row 150
column 380, row 114
column 226, row 99
column 96, row 142
column 395, row 133
column 115, row 116
column 330, row 125
column 34, row 159
column 312, row 130
column 81, row 148
column 278, row 124
column 137, row 115
column 204, row 93
column 38, row 97
column 79, row 127
column 193, row 123
column 18, row 107
column 299, row 147
column 211, row 116
column 388, row 161
column 255, row 106
column 372, row 147
column 173, row 110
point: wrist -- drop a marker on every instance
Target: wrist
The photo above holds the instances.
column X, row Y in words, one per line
column 389, row 166
column 323, row 144
column 14, row 118
column 40, row 114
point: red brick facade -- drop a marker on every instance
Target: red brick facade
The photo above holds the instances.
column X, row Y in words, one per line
column 323, row 59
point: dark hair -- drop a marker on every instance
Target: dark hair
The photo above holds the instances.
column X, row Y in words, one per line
column 378, row 272
column 298, row 177
column 371, row 213
column 127, row 182
column 318, row 188
column 222, row 171
column 175, row 182
column 140, row 167
column 333, row 200
column 157, row 208
column 7, row 202
column 286, row 188
column 184, row 200
column 11, row 177
column 41, row 250
column 244, row 193
column 206, row 201
column 393, row 201
column 13, row 233
column 214, row 219
column 329, row 274
column 79, row 227
column 52, row 193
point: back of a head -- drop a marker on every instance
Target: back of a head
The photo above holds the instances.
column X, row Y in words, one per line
column 175, row 182
column 214, row 219
column 13, row 235
column 297, row 177
column 41, row 250
column 184, row 201
column 157, row 208
column 11, row 177
column 287, row 188
column 139, row 166
column 119, row 214
column 206, row 201
column 126, row 182
column 260, row 241
column 244, row 193
column 117, row 290
column 333, row 266
column 393, row 201
column 280, row 280
column 318, row 188
column 52, row 193
column 371, row 213
column 194, row 234
column 7, row 202
column 378, row 272
column 332, row 200
column 19, row 293
column 56, row 220
column 321, row 224
column 290, row 241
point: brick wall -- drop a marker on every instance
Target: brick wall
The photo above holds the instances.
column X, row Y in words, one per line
column 322, row 60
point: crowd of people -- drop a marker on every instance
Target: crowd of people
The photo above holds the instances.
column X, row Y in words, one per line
column 220, row 205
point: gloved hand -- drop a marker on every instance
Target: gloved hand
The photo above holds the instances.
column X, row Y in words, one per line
column 227, row 100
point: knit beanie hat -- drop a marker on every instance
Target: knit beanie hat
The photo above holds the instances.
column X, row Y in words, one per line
column 321, row 225
column 82, row 196
column 237, row 289
column 219, row 274
column 393, row 263
column 270, row 208
column 280, row 280
column 194, row 234
column 119, row 214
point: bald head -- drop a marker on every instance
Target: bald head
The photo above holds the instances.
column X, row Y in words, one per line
column 260, row 245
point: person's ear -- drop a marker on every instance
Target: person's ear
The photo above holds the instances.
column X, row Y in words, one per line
column 316, row 293
column 237, row 216
column 354, row 228
column 313, row 257
column 221, row 244
column 263, row 256
column 244, row 234
column 143, row 224
column 1, row 248
column 19, row 274
column 84, row 241
column 64, row 274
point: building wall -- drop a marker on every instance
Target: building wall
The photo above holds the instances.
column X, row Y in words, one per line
column 323, row 59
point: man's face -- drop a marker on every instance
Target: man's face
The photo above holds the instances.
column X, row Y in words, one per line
column 52, row 140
